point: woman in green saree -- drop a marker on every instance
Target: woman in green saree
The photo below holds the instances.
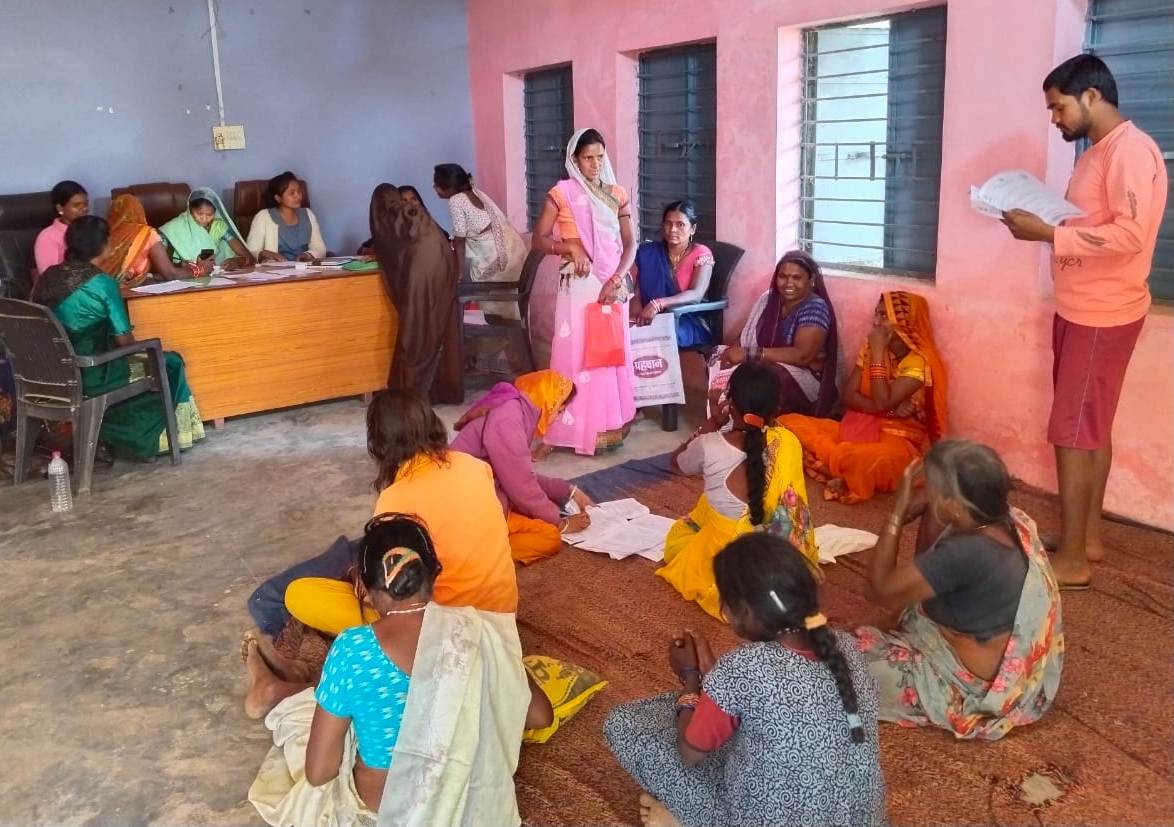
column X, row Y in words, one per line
column 206, row 225
column 90, row 307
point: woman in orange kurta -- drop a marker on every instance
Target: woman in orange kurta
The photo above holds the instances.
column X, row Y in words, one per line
column 896, row 401
column 450, row 492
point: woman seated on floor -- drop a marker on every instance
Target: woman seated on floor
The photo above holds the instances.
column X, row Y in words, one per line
column 136, row 249
column 896, row 400
column 980, row 646
column 286, row 231
column 792, row 328
column 753, row 482
column 452, row 492
column 499, row 430
column 396, row 699
column 206, row 225
column 781, row 730
column 71, row 201
column 90, row 307
column 675, row 271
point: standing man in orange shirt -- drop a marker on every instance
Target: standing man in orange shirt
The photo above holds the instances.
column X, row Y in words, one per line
column 1100, row 264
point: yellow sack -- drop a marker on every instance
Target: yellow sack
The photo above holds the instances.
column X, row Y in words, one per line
column 568, row 687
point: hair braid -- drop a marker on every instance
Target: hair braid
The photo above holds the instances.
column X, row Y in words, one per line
column 828, row 651
column 755, row 445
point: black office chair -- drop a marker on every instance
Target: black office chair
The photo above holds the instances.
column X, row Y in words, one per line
column 517, row 330
column 713, row 309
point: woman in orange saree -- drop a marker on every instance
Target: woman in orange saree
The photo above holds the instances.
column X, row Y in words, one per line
column 896, row 401
column 136, row 249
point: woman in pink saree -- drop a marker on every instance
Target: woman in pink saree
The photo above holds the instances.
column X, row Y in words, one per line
column 587, row 220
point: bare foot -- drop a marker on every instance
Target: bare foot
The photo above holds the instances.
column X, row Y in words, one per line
column 541, row 452
column 1094, row 551
column 1070, row 575
column 266, row 690
column 654, row 814
column 835, row 489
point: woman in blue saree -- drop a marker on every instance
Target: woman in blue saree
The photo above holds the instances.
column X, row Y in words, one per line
column 676, row 271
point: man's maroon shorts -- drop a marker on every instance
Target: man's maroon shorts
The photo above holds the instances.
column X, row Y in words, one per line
column 1087, row 373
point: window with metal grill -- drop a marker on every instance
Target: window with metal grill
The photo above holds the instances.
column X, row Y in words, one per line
column 678, row 135
column 1136, row 39
column 871, row 159
column 550, row 121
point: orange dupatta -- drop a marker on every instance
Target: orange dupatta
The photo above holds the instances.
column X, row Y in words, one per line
column 909, row 315
column 131, row 240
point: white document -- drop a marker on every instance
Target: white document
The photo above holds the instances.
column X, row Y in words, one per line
column 656, row 363
column 628, row 509
column 258, row 275
column 623, row 528
column 335, row 261
column 836, row 541
column 164, row 287
column 216, row 281
column 1016, row 189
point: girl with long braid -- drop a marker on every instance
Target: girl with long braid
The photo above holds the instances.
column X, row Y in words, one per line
column 781, row 730
column 753, row 471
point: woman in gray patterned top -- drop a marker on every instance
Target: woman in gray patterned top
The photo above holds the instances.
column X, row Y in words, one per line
column 779, row 731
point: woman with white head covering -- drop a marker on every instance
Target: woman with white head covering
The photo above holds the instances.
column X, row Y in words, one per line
column 587, row 220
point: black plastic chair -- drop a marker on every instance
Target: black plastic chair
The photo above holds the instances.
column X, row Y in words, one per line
column 725, row 260
column 49, row 385
column 517, row 330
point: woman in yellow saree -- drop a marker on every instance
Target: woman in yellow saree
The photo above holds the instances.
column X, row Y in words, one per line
column 753, row 482
column 136, row 249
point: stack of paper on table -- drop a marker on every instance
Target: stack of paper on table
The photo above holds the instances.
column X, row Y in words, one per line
column 180, row 284
column 623, row 528
column 1016, row 189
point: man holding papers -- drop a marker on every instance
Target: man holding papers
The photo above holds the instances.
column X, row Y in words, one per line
column 1100, row 264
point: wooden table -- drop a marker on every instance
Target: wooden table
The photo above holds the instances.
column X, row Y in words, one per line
column 258, row 346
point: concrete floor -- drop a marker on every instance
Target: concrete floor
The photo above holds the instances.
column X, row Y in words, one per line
column 121, row 681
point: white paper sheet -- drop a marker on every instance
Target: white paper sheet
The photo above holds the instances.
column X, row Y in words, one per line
column 836, row 541
column 1015, row 189
column 163, row 287
column 260, row 275
column 623, row 528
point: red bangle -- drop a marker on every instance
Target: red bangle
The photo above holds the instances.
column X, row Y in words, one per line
column 878, row 372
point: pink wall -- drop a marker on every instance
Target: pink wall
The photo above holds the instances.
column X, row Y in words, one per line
column 991, row 299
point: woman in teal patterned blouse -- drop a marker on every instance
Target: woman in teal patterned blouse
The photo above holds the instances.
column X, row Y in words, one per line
column 90, row 307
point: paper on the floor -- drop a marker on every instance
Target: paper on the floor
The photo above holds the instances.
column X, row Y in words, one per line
column 1015, row 189
column 475, row 317
column 163, row 287
column 623, row 528
column 836, row 541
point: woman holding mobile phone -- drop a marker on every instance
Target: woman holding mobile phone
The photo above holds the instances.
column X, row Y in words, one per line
column 205, row 233
column 137, row 250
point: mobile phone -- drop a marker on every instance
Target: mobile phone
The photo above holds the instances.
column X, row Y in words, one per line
column 206, row 254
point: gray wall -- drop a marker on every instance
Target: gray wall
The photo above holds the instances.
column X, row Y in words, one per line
column 346, row 93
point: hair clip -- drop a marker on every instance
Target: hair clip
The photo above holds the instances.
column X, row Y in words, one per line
column 814, row 621
column 777, row 601
column 406, row 555
column 754, row 420
column 854, row 721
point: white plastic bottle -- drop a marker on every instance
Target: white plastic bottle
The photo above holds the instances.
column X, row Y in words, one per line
column 60, row 494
